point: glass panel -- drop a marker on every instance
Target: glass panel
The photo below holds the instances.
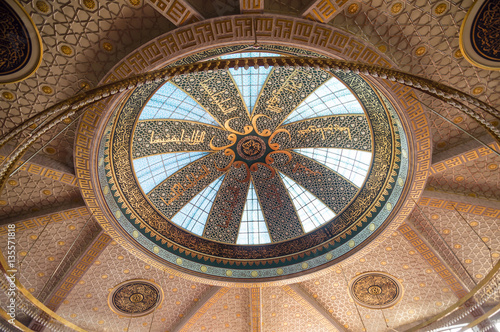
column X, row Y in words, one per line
column 351, row 164
column 250, row 83
column 331, row 98
column 152, row 170
column 170, row 102
column 249, row 55
column 193, row 216
column 311, row 211
column 253, row 228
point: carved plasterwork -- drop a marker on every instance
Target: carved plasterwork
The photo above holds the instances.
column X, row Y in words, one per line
column 376, row 290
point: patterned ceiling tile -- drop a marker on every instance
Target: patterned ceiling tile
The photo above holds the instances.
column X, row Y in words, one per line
column 80, row 46
column 477, row 178
column 26, row 192
column 41, row 250
column 87, row 306
column 230, row 313
column 469, row 243
column 282, row 313
column 424, row 291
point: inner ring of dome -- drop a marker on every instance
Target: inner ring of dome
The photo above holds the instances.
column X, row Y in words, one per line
column 325, row 136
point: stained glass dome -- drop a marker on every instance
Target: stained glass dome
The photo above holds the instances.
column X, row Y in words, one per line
column 285, row 168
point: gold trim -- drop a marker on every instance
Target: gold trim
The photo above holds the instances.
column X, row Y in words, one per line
column 457, row 304
column 16, row 324
column 4, row 267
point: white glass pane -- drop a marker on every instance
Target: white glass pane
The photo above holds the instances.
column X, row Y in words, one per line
column 311, row 211
column 253, row 228
column 193, row 216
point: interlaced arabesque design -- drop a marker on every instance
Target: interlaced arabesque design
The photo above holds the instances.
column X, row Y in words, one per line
column 253, row 147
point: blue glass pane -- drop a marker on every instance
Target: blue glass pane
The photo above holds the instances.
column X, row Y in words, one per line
column 152, row 170
column 170, row 102
column 193, row 216
column 331, row 98
column 311, row 211
column 351, row 164
column 253, row 228
column 249, row 55
column 250, row 83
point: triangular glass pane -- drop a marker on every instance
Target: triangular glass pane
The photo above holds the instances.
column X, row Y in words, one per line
column 170, row 102
column 311, row 211
column 250, row 83
column 193, row 216
column 253, row 228
column 331, row 98
column 152, row 170
column 351, row 164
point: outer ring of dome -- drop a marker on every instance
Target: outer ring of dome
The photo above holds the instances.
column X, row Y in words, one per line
column 147, row 254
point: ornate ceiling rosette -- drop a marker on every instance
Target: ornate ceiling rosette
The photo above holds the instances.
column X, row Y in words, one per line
column 252, row 174
column 135, row 298
column 376, row 290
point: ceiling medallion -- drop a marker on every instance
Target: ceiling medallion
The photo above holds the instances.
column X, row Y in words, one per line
column 21, row 50
column 135, row 298
column 478, row 35
column 236, row 185
column 376, row 290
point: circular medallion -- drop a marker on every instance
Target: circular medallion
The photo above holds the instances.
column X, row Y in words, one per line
column 376, row 290
column 251, row 148
column 21, row 45
column 232, row 184
column 135, row 298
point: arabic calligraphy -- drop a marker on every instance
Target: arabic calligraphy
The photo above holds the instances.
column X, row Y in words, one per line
column 179, row 189
column 290, row 86
column 323, row 130
column 219, row 98
column 301, row 168
column 228, row 213
column 197, row 137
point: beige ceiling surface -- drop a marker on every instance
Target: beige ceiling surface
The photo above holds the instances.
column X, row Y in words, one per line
column 96, row 38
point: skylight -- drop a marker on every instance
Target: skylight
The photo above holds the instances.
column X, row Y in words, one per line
column 170, row 102
column 193, row 216
column 152, row 170
column 253, row 228
column 331, row 98
column 311, row 211
column 351, row 164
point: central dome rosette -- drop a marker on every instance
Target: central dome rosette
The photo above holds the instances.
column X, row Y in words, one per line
column 258, row 173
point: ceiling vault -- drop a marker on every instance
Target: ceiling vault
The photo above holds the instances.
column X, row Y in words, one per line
column 211, row 297
column 251, row 6
column 313, row 307
column 38, row 219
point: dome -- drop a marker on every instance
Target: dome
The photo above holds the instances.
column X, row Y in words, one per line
column 258, row 173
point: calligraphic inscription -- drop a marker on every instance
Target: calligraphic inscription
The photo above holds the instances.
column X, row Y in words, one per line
column 223, row 222
column 279, row 213
column 376, row 290
column 135, row 298
column 329, row 186
column 20, row 50
column 349, row 131
column 16, row 45
column 153, row 137
column 218, row 94
column 485, row 31
column 251, row 148
column 178, row 189
column 284, row 90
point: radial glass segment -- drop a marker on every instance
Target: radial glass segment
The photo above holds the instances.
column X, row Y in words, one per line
column 239, row 155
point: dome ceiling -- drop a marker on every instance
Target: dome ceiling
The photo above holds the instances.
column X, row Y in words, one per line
column 235, row 174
